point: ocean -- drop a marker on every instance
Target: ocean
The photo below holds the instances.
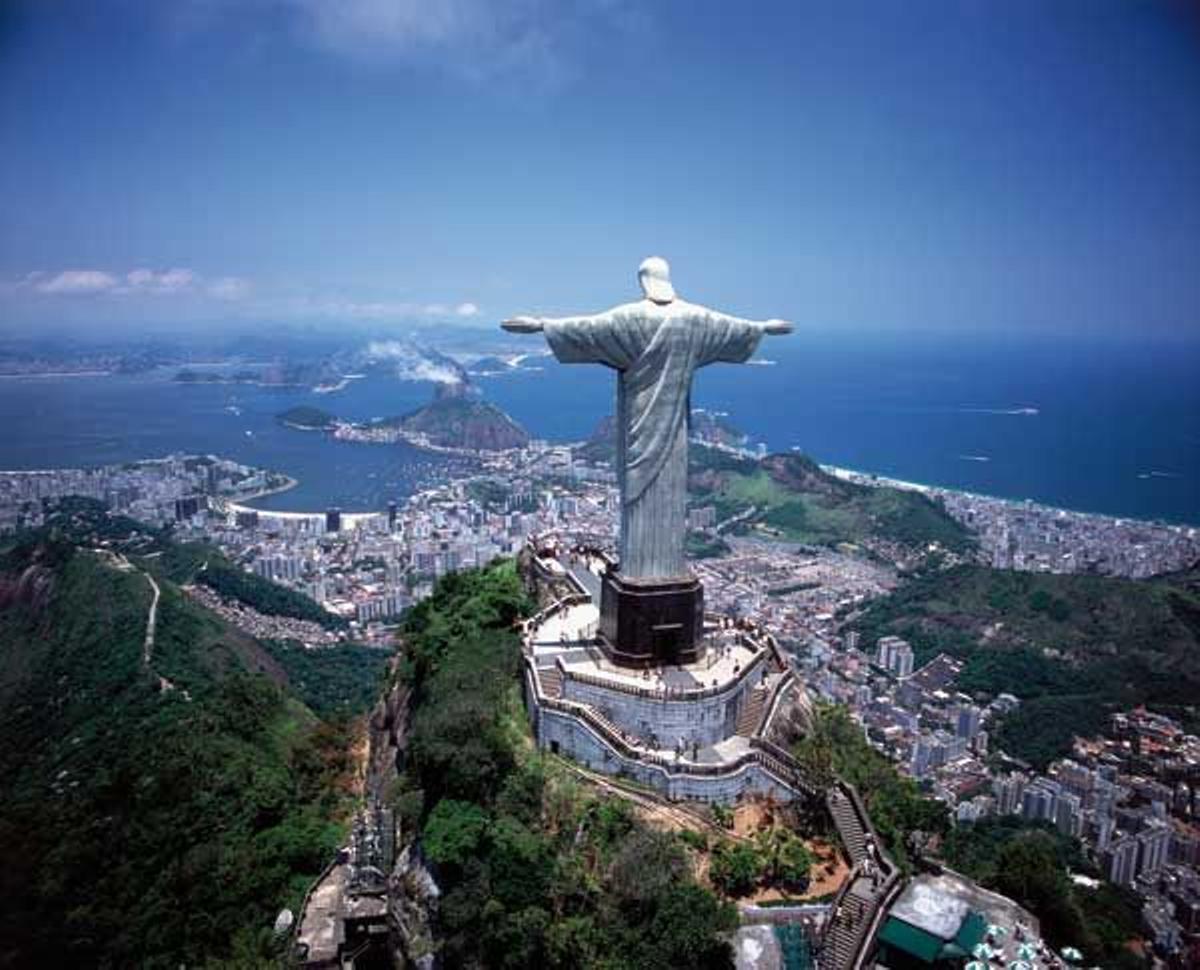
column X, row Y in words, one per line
column 1099, row 425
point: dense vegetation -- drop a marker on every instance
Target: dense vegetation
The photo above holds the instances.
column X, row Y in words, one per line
column 333, row 682
column 535, row 871
column 701, row 545
column 88, row 522
column 308, row 418
column 147, row 825
column 835, row 747
column 456, row 418
column 794, row 499
column 1031, row 863
column 199, row 562
column 1073, row 648
column 777, row 857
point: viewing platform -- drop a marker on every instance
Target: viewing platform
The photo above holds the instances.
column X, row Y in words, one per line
column 697, row 730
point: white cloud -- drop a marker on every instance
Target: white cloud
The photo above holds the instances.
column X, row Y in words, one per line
column 410, row 363
column 141, row 281
column 539, row 41
column 229, row 288
column 168, row 281
column 381, row 310
column 74, row 281
column 189, row 291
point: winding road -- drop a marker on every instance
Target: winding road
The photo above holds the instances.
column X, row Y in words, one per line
column 151, row 621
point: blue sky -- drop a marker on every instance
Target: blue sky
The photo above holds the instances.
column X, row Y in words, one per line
column 959, row 166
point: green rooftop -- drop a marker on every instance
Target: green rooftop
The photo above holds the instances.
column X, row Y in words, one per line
column 929, row 947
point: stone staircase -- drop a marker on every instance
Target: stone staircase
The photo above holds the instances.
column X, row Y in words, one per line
column 843, row 936
column 608, row 725
column 751, row 714
column 873, row 878
column 551, row 681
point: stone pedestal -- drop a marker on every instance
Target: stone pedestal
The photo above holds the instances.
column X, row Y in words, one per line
column 647, row 623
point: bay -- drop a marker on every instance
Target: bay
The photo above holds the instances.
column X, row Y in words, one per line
column 1109, row 426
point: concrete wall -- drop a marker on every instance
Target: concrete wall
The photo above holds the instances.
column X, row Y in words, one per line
column 569, row 736
column 704, row 721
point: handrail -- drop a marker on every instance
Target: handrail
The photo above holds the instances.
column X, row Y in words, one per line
column 888, row 891
column 865, row 926
column 786, row 679
column 785, row 772
column 864, row 819
column 667, row 693
column 294, row 932
column 559, row 605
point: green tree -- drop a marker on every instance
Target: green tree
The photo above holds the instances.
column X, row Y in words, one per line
column 785, row 858
column 735, row 867
column 454, row 832
column 684, row 931
column 520, row 864
column 646, row 865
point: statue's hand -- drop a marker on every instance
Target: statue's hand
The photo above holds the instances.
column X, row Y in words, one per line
column 777, row 327
column 522, row 325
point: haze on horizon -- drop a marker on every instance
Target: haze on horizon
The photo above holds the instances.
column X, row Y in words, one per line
column 941, row 166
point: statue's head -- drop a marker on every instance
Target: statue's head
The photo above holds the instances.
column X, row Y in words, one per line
column 654, row 276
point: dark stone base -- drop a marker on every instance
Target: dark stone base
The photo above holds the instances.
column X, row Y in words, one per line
column 645, row 623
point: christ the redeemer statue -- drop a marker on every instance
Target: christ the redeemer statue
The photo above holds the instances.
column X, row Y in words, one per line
column 656, row 344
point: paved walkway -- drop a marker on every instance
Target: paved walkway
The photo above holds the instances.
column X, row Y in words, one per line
column 151, row 621
column 319, row 922
column 587, row 579
column 576, row 622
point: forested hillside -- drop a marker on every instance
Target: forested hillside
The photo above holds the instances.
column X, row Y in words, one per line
column 158, row 809
column 536, row 870
column 1073, row 648
column 793, row 498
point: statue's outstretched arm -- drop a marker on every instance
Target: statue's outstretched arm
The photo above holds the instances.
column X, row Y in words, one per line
column 733, row 340
column 537, row 324
column 766, row 326
column 594, row 339
column 523, row 325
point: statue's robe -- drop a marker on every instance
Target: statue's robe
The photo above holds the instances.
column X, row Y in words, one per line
column 656, row 348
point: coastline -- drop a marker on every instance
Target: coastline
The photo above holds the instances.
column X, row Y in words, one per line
column 288, row 485
column 861, row 477
column 50, row 374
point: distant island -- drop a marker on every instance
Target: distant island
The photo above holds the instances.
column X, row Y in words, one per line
column 188, row 376
column 457, row 419
column 487, row 366
column 305, row 418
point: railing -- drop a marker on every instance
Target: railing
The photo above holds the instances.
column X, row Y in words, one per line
column 868, row 922
column 769, row 757
column 770, row 749
column 666, row 693
column 786, row 679
column 566, row 575
column 294, row 934
column 881, row 903
column 546, row 612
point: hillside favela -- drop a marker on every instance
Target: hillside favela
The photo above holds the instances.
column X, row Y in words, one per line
column 599, row 485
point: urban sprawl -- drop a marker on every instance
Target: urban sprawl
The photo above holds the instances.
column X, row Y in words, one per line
column 1130, row 795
